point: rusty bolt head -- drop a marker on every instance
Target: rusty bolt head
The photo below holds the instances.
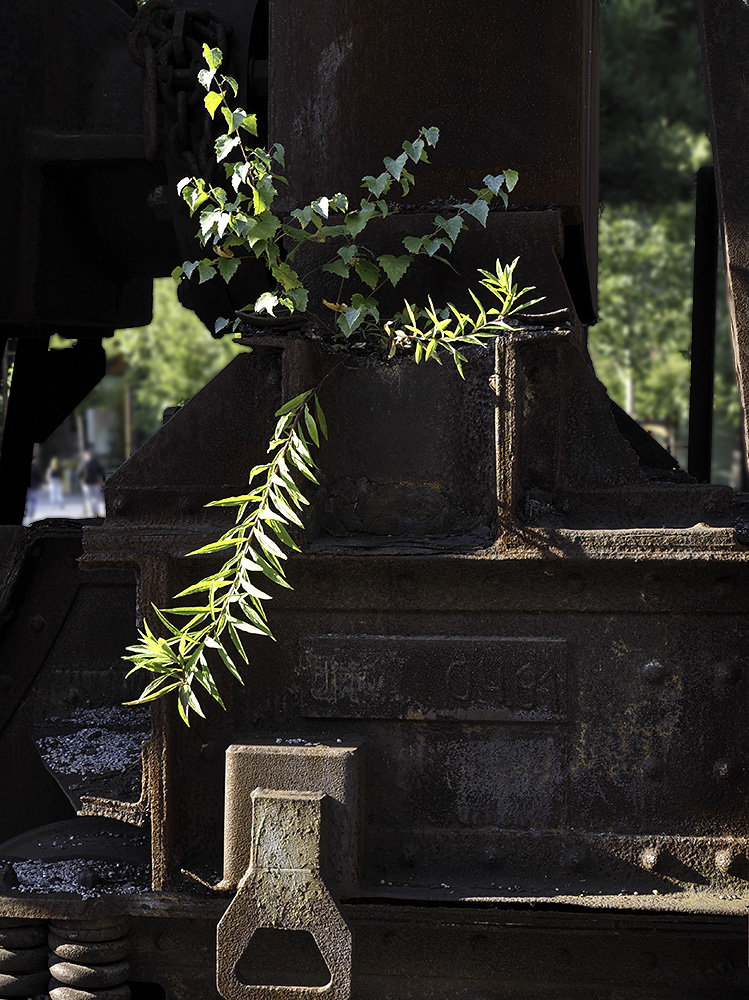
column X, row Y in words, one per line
column 725, row 769
column 649, row 858
column 652, row 767
column 38, row 623
column 654, row 672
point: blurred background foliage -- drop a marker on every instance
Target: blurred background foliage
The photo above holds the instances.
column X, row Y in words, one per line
column 654, row 137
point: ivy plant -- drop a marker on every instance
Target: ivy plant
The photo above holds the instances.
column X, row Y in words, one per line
column 237, row 223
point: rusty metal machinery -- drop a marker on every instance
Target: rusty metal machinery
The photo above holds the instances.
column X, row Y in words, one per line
column 498, row 747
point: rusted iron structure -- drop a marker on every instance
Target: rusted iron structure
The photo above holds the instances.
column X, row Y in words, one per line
column 498, row 747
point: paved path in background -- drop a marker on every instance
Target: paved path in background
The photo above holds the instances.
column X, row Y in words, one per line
column 73, row 507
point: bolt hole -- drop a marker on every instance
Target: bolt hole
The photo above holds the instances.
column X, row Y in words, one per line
column 282, row 958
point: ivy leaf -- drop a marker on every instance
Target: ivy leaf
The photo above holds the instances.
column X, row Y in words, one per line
column 395, row 167
column 414, row 149
column 346, row 253
column 234, row 118
column 478, row 209
column 299, row 298
column 213, row 57
column 206, row 271
column 286, row 275
column 231, row 82
column 394, row 267
column 511, row 179
column 431, row 135
column 413, row 243
column 337, row 267
column 212, row 100
column 208, row 220
column 249, row 124
column 378, row 185
column 205, row 78
column 189, row 266
column 432, row 246
column 227, row 267
column 369, row 273
column 368, row 304
column 304, row 215
column 322, row 207
column 224, row 145
column 494, row 183
column 266, row 302
column 350, row 320
column 220, row 323
column 451, row 226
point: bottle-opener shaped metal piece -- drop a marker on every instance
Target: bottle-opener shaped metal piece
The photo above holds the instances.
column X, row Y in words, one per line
column 284, row 890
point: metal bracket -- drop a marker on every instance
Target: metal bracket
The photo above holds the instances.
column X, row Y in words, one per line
column 284, row 889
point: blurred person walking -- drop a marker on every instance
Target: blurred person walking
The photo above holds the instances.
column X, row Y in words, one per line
column 54, row 482
column 32, row 492
column 91, row 475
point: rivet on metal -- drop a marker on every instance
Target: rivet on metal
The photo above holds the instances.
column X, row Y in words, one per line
column 654, row 672
column 38, row 623
column 652, row 767
column 725, row 769
column 726, row 672
column 649, row 858
column 724, row 859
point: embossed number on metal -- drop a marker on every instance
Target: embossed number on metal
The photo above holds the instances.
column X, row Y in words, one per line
column 434, row 677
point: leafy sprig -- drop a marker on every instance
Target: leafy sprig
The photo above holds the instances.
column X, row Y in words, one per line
column 433, row 332
column 230, row 602
column 239, row 223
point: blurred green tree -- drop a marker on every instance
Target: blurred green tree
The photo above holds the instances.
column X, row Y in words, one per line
column 653, row 140
column 168, row 361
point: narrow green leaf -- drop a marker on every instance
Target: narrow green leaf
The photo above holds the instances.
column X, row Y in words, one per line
column 293, row 404
column 322, row 423
column 238, row 642
column 309, row 421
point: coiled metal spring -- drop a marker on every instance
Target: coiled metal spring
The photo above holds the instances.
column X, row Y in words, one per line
column 23, row 958
column 87, row 960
